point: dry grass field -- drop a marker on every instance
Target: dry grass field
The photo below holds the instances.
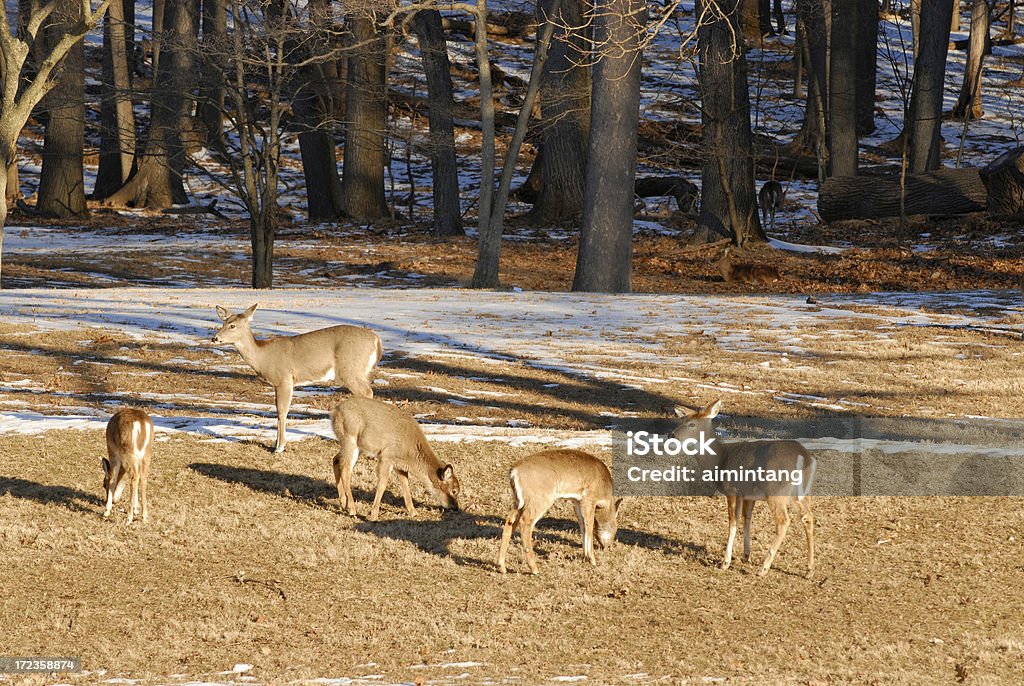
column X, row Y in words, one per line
column 247, row 559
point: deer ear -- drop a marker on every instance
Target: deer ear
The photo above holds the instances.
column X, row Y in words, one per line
column 618, row 505
column 683, row 412
column 222, row 313
column 712, row 410
column 106, row 466
column 251, row 311
column 445, row 473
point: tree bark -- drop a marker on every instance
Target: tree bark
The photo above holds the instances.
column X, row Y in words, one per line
column 365, row 157
column 62, row 183
column 604, row 262
column 210, row 105
column 565, row 110
column 929, row 73
column 811, row 24
column 158, row 182
column 866, row 65
column 1004, row 179
column 728, row 207
column 842, row 109
column 440, row 114
column 968, row 105
column 117, row 118
column 946, row 191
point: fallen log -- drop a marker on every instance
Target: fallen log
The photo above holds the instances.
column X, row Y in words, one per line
column 1004, row 179
column 946, row 191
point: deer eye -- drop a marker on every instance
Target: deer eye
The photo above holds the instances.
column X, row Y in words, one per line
column 692, row 424
column 231, row 326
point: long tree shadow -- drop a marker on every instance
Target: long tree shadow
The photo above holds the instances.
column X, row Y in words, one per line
column 292, row 486
column 47, row 494
column 436, row 538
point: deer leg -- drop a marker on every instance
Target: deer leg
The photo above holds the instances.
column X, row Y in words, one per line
column 748, row 510
column 506, row 535
column 734, row 504
column 134, row 508
column 403, row 480
column 142, row 487
column 111, row 487
column 526, row 523
column 779, row 508
column 383, row 474
column 807, row 517
column 283, row 398
column 585, row 513
column 343, row 463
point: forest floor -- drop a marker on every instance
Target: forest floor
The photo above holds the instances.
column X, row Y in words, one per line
column 956, row 253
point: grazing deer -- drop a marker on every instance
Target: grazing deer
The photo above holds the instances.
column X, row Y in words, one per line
column 542, row 478
column 365, row 426
column 770, row 198
column 756, row 274
column 345, row 354
column 129, row 450
column 782, row 457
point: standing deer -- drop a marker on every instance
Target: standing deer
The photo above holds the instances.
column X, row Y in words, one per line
column 756, row 274
column 345, row 354
column 372, row 427
column 777, row 456
column 129, row 451
column 770, row 198
column 542, row 478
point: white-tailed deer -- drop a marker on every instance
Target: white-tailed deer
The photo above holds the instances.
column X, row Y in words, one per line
column 365, row 426
column 741, row 463
column 770, row 198
column 741, row 272
column 542, row 478
column 343, row 354
column 129, row 450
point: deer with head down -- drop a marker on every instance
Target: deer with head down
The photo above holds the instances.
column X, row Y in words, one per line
column 366, row 426
column 750, row 460
column 540, row 479
column 343, row 354
column 129, row 451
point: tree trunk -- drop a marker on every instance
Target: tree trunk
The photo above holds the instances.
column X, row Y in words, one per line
column 440, row 113
column 929, row 73
column 866, row 65
column 210, row 105
column 117, row 118
column 61, row 183
column 811, row 24
column 1004, row 179
column 262, row 231
column 365, row 158
column 946, row 191
column 842, row 91
column 7, row 159
column 565, row 111
column 968, row 105
column 157, row 182
column 728, row 207
column 604, row 262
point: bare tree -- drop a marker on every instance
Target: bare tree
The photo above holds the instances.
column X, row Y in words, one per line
column 842, row 90
column 157, row 182
column 604, row 262
column 968, row 105
column 18, row 99
column 926, row 95
column 61, row 182
column 117, row 117
column 728, row 207
column 440, row 106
